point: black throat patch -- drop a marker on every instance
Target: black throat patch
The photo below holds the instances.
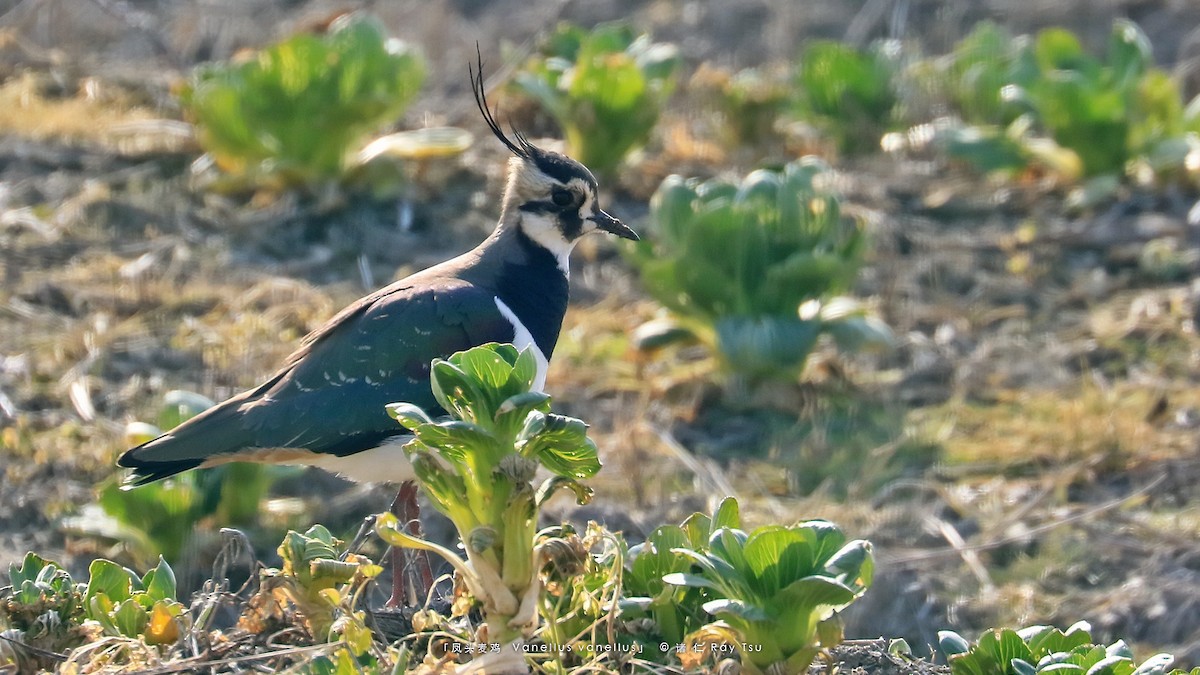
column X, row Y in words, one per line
column 535, row 288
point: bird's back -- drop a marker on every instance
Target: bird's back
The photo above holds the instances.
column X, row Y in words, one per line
column 329, row 397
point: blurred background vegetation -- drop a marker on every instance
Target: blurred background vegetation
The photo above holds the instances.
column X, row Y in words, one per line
column 925, row 268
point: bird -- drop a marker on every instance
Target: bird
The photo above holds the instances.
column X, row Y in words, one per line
column 325, row 406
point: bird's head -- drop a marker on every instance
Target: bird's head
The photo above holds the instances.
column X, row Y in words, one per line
column 550, row 196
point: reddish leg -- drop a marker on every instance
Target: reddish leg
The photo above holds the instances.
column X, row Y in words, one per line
column 412, row 575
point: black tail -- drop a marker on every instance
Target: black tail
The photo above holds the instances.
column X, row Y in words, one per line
column 148, row 471
column 214, row 432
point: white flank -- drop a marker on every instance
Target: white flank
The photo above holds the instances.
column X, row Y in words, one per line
column 522, row 338
column 385, row 463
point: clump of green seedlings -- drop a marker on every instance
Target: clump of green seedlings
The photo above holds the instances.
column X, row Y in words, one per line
column 754, row 268
column 605, row 87
column 1045, row 649
column 1046, row 101
column 46, row 613
column 294, row 113
column 120, row 621
column 848, row 92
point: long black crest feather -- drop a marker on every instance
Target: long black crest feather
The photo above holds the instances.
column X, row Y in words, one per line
column 522, row 147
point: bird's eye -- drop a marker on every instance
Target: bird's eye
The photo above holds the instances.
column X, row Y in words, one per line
column 562, row 197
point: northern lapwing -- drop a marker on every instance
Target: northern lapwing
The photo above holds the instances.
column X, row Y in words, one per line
column 325, row 406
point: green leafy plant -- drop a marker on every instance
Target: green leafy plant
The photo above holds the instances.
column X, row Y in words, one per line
column 48, row 610
column 676, row 611
column 322, row 582
column 752, row 268
column 778, row 589
column 848, row 92
column 293, row 114
column 41, row 607
column 1044, row 649
column 1084, row 104
column 131, row 606
column 1046, row 101
column 606, row 88
column 477, row 469
column 978, row 69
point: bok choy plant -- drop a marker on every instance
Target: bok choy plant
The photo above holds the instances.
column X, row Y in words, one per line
column 606, row 88
column 1045, row 649
column 777, row 590
column 295, row 113
column 754, row 268
column 477, row 468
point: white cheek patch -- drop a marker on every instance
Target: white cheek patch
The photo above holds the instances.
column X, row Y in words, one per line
column 544, row 231
column 586, row 210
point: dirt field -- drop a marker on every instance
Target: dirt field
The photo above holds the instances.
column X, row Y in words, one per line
column 1044, row 383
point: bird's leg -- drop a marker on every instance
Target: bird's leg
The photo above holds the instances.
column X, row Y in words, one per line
column 412, row 574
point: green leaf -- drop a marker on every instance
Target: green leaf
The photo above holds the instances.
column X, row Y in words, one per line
column 486, row 367
column 1129, row 51
column 951, row 643
column 1023, row 667
column 112, row 580
column 761, row 346
column 649, row 562
column 1155, row 665
column 515, row 410
column 561, row 445
column 816, row 595
column 727, row 609
column 690, row 580
column 31, row 567
column 853, row 564
column 1061, row 669
column 408, row 415
column 775, row 557
column 1111, row 665
column 458, row 393
column 160, row 581
column 130, row 618
column 462, row 443
column 727, row 515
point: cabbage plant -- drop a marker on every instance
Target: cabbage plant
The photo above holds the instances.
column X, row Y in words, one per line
column 848, row 92
column 606, row 88
column 754, row 267
column 1045, row 649
column 778, row 589
column 1045, row 100
column 294, row 113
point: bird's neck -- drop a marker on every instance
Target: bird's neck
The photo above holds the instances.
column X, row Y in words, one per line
column 543, row 231
column 530, row 280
